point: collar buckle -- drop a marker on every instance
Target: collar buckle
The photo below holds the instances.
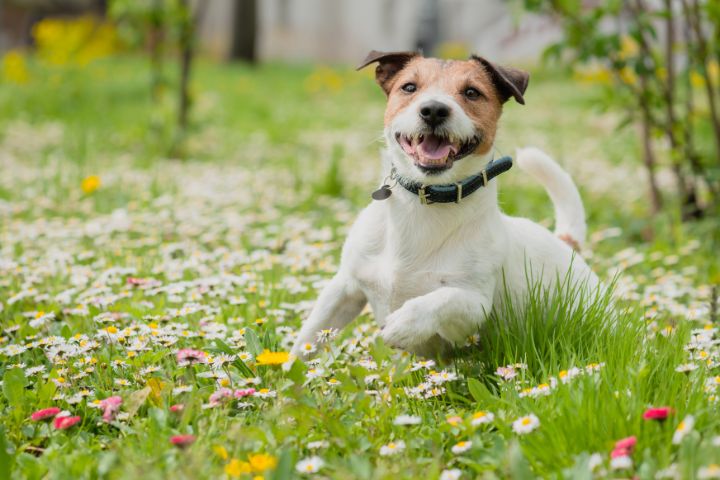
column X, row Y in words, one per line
column 423, row 196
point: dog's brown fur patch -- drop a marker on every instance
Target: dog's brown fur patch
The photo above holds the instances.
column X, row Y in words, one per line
column 452, row 77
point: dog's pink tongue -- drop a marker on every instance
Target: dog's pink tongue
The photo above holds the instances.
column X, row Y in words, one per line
column 434, row 148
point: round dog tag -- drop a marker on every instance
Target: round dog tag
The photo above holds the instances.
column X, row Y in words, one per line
column 382, row 193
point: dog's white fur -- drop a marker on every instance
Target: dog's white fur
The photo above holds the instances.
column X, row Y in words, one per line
column 431, row 273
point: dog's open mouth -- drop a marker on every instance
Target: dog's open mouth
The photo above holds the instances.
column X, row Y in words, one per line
column 434, row 153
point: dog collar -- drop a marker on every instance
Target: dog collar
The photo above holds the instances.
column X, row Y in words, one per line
column 447, row 193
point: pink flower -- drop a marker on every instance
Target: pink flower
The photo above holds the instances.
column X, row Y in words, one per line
column 182, row 441
column 244, row 392
column 178, row 407
column 136, row 281
column 188, row 356
column 659, row 413
column 218, row 396
column 626, row 443
column 620, row 452
column 45, row 413
column 110, row 407
column 63, row 423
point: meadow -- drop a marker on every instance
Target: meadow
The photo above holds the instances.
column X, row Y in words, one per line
column 148, row 302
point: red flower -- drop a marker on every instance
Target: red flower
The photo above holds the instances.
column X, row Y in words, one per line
column 626, row 443
column 659, row 413
column 63, row 423
column 182, row 441
column 178, row 407
column 45, row 413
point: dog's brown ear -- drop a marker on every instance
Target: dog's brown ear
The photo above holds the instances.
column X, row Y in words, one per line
column 510, row 82
column 389, row 64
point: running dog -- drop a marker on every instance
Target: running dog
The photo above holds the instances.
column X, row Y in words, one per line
column 433, row 253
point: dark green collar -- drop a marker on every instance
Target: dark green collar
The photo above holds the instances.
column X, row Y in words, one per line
column 454, row 192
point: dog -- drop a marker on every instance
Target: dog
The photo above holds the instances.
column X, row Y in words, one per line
column 433, row 253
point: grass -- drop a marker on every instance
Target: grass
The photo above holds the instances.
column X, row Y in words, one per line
column 224, row 251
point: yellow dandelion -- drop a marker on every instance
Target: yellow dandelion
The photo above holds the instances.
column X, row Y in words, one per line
column 261, row 462
column 236, row 468
column 272, row 358
column 90, row 183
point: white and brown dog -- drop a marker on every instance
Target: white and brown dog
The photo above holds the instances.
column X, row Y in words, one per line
column 434, row 252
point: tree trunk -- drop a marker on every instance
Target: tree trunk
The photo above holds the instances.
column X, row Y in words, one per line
column 156, row 41
column 694, row 16
column 186, row 58
column 243, row 46
column 649, row 157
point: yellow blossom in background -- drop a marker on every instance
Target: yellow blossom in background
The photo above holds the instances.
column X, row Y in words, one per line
column 593, row 74
column 628, row 76
column 696, row 80
column 236, row 468
column 628, row 47
column 324, row 79
column 713, row 69
column 90, row 184
column 261, row 462
column 453, row 50
column 661, row 73
column 272, row 358
column 220, row 451
column 14, row 69
column 76, row 41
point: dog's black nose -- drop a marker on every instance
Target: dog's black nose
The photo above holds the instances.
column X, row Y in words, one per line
column 434, row 113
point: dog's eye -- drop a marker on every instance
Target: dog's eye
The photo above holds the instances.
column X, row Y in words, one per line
column 472, row 93
column 409, row 87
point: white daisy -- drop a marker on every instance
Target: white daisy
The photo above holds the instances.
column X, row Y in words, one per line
column 526, row 424
column 407, row 420
column 453, row 474
column 461, row 447
column 683, row 429
column 711, row 471
column 309, row 465
column 307, row 348
column 392, row 448
column 480, row 418
column 621, row 463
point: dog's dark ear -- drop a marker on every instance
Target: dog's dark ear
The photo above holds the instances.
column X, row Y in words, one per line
column 510, row 82
column 389, row 64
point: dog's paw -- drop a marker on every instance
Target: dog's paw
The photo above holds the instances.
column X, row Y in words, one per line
column 407, row 328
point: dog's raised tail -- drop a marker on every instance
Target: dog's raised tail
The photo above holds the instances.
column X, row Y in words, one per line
column 569, row 212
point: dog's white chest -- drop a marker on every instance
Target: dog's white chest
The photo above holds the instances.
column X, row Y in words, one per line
column 388, row 277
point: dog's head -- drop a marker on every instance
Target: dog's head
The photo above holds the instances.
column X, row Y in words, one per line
column 441, row 111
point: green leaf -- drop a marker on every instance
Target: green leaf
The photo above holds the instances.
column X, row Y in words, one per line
column 517, row 463
column 479, row 392
column 6, row 460
column 284, row 466
column 253, row 342
column 223, row 347
column 14, row 387
column 136, row 400
column 46, row 392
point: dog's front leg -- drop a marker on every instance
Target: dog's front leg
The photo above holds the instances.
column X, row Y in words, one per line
column 338, row 304
column 452, row 313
